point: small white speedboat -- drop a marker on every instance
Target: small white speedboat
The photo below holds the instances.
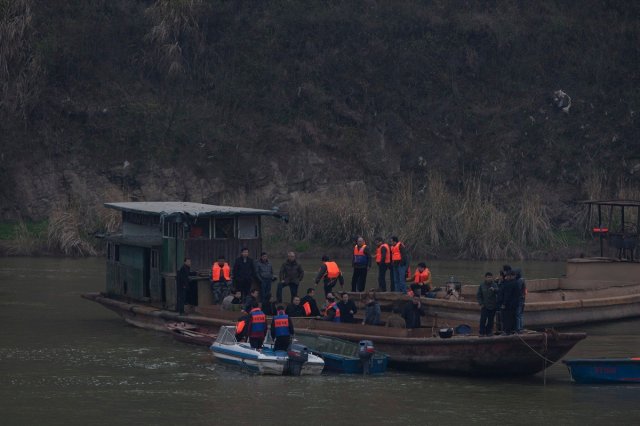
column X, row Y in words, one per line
column 264, row 361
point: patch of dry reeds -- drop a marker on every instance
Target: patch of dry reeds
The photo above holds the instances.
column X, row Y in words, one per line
column 25, row 242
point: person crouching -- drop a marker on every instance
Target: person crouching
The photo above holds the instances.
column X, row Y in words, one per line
column 281, row 330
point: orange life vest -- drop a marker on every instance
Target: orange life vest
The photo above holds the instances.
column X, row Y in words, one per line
column 359, row 258
column 240, row 326
column 333, row 271
column 387, row 256
column 215, row 272
column 307, row 308
column 422, row 277
column 395, row 252
column 334, row 306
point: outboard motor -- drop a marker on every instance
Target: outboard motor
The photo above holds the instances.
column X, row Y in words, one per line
column 366, row 352
column 298, row 355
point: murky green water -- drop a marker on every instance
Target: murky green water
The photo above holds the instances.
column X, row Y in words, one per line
column 67, row 361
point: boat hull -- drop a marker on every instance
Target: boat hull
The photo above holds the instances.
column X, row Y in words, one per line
column 607, row 370
column 416, row 349
column 245, row 357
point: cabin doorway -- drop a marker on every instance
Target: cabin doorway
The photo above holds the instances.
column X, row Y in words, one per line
column 146, row 274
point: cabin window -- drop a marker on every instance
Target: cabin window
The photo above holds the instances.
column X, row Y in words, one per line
column 224, row 228
column 200, row 229
column 248, row 227
column 170, row 229
column 116, row 252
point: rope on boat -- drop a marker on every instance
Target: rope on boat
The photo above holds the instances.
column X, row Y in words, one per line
column 536, row 352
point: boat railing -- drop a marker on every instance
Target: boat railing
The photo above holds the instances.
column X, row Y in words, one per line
column 227, row 335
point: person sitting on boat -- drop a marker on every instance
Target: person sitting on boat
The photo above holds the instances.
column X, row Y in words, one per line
column 412, row 312
column 371, row 310
column 257, row 326
column 331, row 311
column 347, row 308
column 487, row 296
column 220, row 280
column 281, row 330
column 250, row 299
column 233, row 301
column 421, row 280
column 295, row 309
column 242, row 329
column 330, row 275
column 309, row 304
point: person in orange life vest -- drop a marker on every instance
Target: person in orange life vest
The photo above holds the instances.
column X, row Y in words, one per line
column 383, row 259
column 361, row 264
column 421, row 284
column 330, row 275
column 281, row 330
column 220, row 280
column 295, row 309
column 256, row 326
column 331, row 310
column 242, row 331
column 309, row 304
column 399, row 262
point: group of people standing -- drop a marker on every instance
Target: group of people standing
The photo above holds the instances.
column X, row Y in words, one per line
column 503, row 296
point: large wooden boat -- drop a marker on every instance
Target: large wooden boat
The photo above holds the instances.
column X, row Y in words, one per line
column 412, row 349
column 593, row 290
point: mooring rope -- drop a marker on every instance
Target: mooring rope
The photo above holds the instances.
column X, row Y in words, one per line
column 545, row 359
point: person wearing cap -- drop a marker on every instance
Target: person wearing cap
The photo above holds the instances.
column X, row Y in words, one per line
column 487, row 296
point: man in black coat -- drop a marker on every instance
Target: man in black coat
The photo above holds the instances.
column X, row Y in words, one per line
column 412, row 312
column 244, row 272
column 295, row 309
column 508, row 300
column 309, row 304
column 347, row 308
column 182, row 281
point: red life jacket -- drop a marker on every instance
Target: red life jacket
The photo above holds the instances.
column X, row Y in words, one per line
column 240, row 326
column 216, row 269
column 258, row 323
column 359, row 258
column 387, row 256
column 333, row 271
column 281, row 323
column 395, row 252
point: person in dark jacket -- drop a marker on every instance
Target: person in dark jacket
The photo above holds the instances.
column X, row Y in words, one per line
column 264, row 271
column 244, row 272
column 412, row 312
column 309, row 304
column 250, row 299
column 508, row 300
column 295, row 309
column 361, row 262
column 487, row 296
column 347, row 308
column 182, row 281
column 522, row 286
column 281, row 330
column 291, row 274
column 371, row 312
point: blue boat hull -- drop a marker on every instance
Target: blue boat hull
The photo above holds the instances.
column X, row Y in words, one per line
column 606, row 370
column 350, row 365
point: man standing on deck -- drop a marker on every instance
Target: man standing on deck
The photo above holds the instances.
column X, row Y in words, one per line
column 399, row 262
column 522, row 288
column 383, row 259
column 244, row 272
column 488, row 300
column 291, row 274
column 182, row 281
column 257, row 326
column 361, row 264
column 330, row 275
column 281, row 330
column 508, row 300
column 264, row 271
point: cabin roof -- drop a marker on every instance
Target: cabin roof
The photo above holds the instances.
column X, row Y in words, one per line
column 624, row 203
column 175, row 208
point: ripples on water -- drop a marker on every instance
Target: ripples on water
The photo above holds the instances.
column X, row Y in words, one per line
column 67, row 361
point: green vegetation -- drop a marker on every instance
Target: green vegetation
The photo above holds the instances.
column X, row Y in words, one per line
column 432, row 120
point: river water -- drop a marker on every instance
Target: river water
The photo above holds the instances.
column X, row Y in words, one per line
column 68, row 361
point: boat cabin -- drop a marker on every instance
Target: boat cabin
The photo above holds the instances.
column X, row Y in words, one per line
column 155, row 237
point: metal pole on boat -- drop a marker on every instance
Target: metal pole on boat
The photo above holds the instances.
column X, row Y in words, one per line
column 600, row 227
